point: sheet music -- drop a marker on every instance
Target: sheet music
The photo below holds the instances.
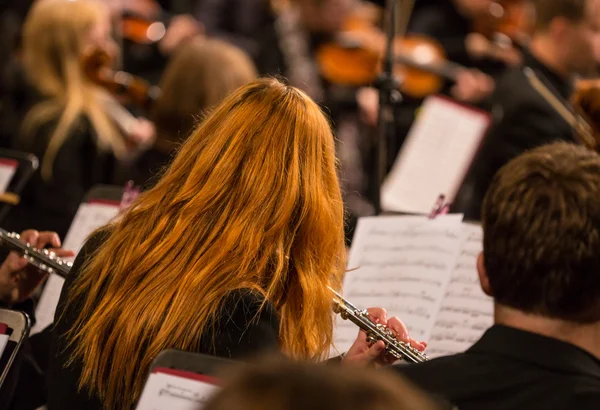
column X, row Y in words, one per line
column 466, row 312
column 436, row 156
column 3, row 342
column 7, row 171
column 89, row 217
column 404, row 265
column 169, row 392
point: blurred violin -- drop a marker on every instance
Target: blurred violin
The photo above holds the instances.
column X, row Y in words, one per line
column 503, row 31
column 581, row 111
column 586, row 100
column 507, row 22
column 141, row 22
column 97, row 67
column 354, row 58
column 141, row 30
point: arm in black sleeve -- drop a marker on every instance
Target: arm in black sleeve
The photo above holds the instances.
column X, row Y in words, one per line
column 246, row 327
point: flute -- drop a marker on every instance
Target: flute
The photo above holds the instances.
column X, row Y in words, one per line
column 375, row 332
column 42, row 259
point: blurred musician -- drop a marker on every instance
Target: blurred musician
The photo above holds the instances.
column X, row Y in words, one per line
column 562, row 46
column 24, row 387
column 231, row 254
column 540, row 263
column 150, row 33
column 290, row 46
column 236, row 21
column 68, row 127
column 218, row 69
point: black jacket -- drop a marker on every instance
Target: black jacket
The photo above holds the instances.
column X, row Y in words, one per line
column 523, row 120
column 510, row 369
column 246, row 328
column 79, row 165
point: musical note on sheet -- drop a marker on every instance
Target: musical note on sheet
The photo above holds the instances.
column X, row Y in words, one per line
column 89, row 217
column 403, row 264
column 166, row 391
column 466, row 312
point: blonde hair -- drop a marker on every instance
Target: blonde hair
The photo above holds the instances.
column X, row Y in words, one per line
column 198, row 77
column 54, row 36
column 252, row 201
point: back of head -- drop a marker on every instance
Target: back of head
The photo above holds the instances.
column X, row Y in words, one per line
column 54, row 38
column 278, row 385
column 198, row 77
column 251, row 201
column 56, row 35
column 541, row 222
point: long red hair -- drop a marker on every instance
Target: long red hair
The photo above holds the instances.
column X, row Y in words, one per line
column 251, row 201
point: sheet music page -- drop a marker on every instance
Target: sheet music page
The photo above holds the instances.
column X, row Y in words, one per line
column 169, row 392
column 3, row 342
column 404, row 265
column 436, row 156
column 89, row 217
column 7, row 171
column 466, row 312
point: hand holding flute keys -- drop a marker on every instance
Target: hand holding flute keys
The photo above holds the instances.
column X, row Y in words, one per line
column 363, row 352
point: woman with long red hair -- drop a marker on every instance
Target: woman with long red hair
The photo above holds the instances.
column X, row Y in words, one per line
column 231, row 253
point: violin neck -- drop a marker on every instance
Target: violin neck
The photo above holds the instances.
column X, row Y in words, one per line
column 120, row 115
column 446, row 69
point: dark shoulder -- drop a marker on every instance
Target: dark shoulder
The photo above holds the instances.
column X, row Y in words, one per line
column 436, row 374
column 513, row 88
column 90, row 247
column 36, row 136
column 247, row 325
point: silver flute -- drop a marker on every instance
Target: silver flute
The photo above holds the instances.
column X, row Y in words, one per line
column 42, row 259
column 375, row 331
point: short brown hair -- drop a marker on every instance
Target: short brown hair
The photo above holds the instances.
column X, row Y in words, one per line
column 284, row 385
column 199, row 76
column 541, row 222
column 548, row 10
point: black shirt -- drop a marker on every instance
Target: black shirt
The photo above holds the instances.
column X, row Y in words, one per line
column 80, row 164
column 247, row 327
column 513, row 369
column 523, row 120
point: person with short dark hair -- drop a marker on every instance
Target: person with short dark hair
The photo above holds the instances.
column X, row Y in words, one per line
column 562, row 47
column 540, row 263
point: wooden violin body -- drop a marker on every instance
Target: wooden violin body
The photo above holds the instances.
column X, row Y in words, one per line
column 586, row 101
column 354, row 58
column 97, row 66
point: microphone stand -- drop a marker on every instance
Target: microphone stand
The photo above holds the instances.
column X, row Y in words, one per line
column 389, row 97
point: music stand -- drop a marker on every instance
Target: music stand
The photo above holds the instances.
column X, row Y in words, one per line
column 19, row 325
column 27, row 165
column 389, row 96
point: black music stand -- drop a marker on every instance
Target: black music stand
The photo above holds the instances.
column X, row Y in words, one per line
column 19, row 325
column 101, row 193
column 27, row 166
column 389, row 97
column 191, row 362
